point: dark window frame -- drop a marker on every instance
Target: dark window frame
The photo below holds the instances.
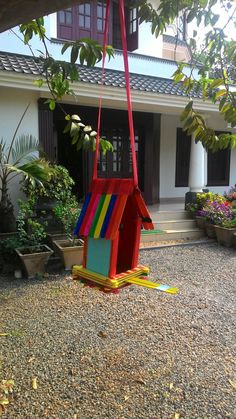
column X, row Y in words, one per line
column 73, row 31
column 84, row 14
column 183, row 143
column 211, row 160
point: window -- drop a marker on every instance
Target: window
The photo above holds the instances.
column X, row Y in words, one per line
column 87, row 20
column 117, row 153
column 65, row 17
column 183, row 148
column 84, row 16
column 218, row 167
column 119, row 162
column 102, row 163
column 64, row 24
column 132, row 28
column 101, row 14
column 133, row 21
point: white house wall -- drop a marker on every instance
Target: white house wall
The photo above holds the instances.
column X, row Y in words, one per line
column 12, row 105
column 169, row 125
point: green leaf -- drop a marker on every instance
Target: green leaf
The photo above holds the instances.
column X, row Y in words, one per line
column 75, row 117
column 67, row 128
column 74, row 128
column 74, row 54
column 217, row 83
column 191, row 15
column 220, row 93
column 178, row 77
column 39, row 82
column 66, row 46
column 189, row 106
column 87, row 128
column 52, row 105
column 184, row 115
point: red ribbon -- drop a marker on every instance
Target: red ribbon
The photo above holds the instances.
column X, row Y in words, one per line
column 128, row 94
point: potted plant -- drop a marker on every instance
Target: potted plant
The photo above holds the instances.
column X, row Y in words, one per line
column 216, row 213
column 48, row 195
column 31, row 235
column 225, row 232
column 70, row 249
column 202, row 198
column 18, row 157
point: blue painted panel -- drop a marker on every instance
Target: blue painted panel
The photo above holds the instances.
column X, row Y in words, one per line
column 98, row 255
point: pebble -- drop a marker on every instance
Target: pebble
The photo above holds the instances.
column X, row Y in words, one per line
column 139, row 354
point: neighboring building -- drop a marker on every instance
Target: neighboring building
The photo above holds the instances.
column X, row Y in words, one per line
column 168, row 161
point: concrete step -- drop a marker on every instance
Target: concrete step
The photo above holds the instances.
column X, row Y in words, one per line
column 186, row 234
column 169, row 215
column 175, row 224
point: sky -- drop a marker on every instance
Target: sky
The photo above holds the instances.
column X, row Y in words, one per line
column 217, row 9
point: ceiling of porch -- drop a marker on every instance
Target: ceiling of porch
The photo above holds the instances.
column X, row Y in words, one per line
column 14, row 12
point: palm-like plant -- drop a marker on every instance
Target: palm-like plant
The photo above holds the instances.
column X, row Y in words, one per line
column 19, row 158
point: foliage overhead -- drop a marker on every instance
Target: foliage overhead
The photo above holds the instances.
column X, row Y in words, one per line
column 216, row 75
column 60, row 75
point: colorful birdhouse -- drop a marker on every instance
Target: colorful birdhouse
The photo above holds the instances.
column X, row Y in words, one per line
column 114, row 211
column 110, row 221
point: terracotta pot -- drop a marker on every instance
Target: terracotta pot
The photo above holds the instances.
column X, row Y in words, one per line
column 210, row 230
column 225, row 236
column 71, row 255
column 35, row 263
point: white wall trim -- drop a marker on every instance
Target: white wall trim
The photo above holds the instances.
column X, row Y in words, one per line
column 152, row 101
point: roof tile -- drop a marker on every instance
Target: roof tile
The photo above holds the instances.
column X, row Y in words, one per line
column 31, row 65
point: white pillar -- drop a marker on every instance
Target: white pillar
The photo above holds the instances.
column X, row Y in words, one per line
column 196, row 169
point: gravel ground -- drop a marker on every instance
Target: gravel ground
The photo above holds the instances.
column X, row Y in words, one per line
column 137, row 354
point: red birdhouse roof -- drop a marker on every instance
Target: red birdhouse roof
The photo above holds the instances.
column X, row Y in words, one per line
column 104, row 205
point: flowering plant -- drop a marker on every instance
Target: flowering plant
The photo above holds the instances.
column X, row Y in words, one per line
column 217, row 213
column 230, row 195
column 202, row 200
column 229, row 223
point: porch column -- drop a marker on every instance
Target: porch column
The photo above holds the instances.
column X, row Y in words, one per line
column 196, row 168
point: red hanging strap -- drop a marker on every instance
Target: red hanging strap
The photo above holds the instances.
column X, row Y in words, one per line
column 95, row 166
column 128, row 94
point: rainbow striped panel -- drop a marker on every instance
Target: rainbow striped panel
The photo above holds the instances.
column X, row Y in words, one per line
column 88, row 219
column 101, row 215
column 82, row 214
column 97, row 232
column 108, row 215
column 97, row 215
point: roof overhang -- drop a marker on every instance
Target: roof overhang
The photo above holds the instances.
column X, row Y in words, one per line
column 113, row 97
column 15, row 12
